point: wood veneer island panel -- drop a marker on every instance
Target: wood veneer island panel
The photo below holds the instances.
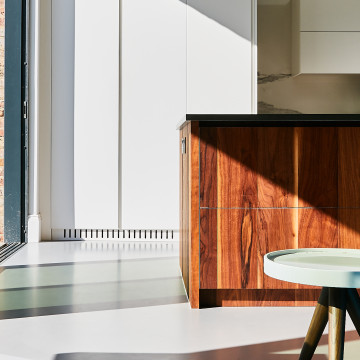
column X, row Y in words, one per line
column 190, row 209
column 247, row 190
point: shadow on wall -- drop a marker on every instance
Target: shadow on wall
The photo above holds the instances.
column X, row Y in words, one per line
column 223, row 12
column 277, row 350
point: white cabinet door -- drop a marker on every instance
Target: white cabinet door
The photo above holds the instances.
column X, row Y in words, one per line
column 96, row 114
column 85, row 121
column 153, row 87
column 329, row 15
column 330, row 52
column 326, row 37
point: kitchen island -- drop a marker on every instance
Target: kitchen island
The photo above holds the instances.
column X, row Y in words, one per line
column 252, row 184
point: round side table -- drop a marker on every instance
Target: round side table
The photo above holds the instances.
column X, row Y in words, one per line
column 338, row 272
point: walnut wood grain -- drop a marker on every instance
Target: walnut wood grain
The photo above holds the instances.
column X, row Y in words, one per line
column 237, row 168
column 208, row 248
column 272, row 188
column 181, row 217
column 276, row 230
column 349, row 169
column 276, row 167
column 318, row 228
column 208, row 167
column 194, row 214
column 349, row 228
column 237, row 249
column 318, row 167
column 184, row 203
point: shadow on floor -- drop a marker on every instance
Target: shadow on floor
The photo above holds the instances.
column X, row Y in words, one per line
column 64, row 288
column 265, row 351
column 79, row 308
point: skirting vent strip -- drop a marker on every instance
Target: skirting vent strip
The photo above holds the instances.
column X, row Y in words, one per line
column 115, row 234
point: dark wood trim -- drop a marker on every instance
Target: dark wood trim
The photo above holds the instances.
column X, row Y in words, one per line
column 257, row 297
column 246, row 297
column 307, row 297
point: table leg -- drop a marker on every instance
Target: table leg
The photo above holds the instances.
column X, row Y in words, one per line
column 353, row 307
column 317, row 326
column 337, row 312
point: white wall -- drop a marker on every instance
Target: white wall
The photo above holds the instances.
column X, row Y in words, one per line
column 153, row 90
column 219, row 57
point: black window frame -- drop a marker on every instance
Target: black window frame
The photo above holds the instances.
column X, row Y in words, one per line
column 16, row 121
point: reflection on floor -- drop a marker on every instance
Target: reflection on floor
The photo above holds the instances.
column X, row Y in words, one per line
column 107, row 301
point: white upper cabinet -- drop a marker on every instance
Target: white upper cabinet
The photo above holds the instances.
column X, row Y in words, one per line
column 220, row 56
column 326, row 37
column 96, row 114
column 329, row 15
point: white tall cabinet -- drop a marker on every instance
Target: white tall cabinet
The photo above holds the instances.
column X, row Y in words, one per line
column 85, row 115
column 124, row 74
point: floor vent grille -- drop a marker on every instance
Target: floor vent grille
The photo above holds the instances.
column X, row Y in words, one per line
column 115, row 234
column 7, row 250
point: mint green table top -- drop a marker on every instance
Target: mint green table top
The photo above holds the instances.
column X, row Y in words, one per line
column 319, row 267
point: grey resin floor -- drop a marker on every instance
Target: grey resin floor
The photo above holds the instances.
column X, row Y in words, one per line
column 107, row 301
